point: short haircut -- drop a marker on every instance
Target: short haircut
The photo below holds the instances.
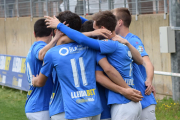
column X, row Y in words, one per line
column 123, row 14
column 106, row 19
column 87, row 26
column 72, row 19
column 40, row 28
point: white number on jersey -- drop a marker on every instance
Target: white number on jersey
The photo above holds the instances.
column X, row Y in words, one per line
column 75, row 72
column 29, row 73
column 130, row 55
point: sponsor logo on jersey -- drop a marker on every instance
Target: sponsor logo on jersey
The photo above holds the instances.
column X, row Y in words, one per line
column 86, row 94
column 140, row 49
column 71, row 50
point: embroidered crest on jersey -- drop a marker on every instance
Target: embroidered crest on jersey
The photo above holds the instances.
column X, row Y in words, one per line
column 140, row 49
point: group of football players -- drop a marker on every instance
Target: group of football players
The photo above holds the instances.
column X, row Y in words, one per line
column 89, row 70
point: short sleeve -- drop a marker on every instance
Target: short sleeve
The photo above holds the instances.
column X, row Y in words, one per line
column 137, row 43
column 107, row 46
column 47, row 67
column 98, row 68
column 37, row 48
column 99, row 57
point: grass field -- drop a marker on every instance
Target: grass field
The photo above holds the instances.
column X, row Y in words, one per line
column 12, row 106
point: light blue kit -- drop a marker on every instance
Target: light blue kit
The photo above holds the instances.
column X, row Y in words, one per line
column 38, row 97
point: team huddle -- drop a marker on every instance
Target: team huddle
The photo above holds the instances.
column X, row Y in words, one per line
column 89, row 70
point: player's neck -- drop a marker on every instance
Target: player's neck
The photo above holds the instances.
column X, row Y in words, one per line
column 123, row 31
column 45, row 39
column 112, row 35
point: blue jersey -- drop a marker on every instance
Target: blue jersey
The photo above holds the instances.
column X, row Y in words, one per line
column 139, row 81
column 106, row 114
column 119, row 56
column 137, row 43
column 140, row 72
column 38, row 97
column 75, row 66
column 56, row 102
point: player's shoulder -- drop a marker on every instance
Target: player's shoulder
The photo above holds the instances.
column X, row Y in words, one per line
column 107, row 41
column 38, row 43
column 135, row 39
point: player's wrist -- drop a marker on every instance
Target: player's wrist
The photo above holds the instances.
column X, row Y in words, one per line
column 127, row 43
column 149, row 81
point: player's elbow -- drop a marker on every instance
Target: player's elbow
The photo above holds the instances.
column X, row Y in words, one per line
column 108, row 69
column 98, row 77
column 41, row 56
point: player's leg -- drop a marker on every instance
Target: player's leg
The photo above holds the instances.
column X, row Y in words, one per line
column 42, row 115
column 60, row 116
column 148, row 113
column 129, row 111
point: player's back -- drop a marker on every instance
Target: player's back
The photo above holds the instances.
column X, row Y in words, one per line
column 37, row 98
column 119, row 56
column 75, row 66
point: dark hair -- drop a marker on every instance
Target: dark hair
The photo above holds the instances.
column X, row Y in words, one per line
column 106, row 19
column 123, row 14
column 72, row 19
column 40, row 28
column 87, row 26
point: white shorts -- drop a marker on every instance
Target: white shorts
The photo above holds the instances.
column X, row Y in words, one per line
column 128, row 111
column 106, row 119
column 97, row 117
column 60, row 116
column 148, row 113
column 42, row 115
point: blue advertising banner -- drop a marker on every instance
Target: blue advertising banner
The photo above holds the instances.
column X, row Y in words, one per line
column 12, row 72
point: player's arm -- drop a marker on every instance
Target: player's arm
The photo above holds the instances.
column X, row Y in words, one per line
column 150, row 74
column 83, row 19
column 137, row 43
column 135, row 53
column 65, row 39
column 129, row 93
column 52, row 43
column 112, row 73
column 39, row 80
column 45, row 72
column 72, row 34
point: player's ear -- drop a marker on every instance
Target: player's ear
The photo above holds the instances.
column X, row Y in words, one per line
column 120, row 22
column 55, row 31
column 34, row 34
column 52, row 33
column 102, row 27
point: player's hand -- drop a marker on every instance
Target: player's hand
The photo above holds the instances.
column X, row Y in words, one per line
column 154, row 91
column 120, row 39
column 132, row 94
column 34, row 80
column 102, row 32
column 51, row 22
column 149, row 88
